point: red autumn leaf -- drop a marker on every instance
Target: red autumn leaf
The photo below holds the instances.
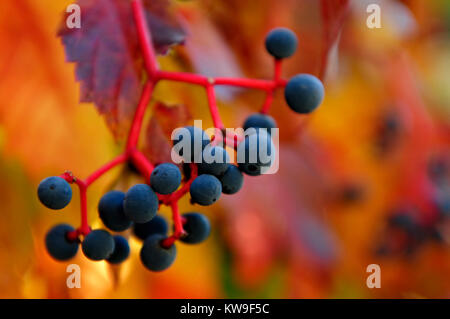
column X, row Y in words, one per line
column 157, row 146
column 107, row 54
column 159, row 130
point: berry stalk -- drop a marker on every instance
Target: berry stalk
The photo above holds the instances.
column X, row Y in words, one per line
column 141, row 203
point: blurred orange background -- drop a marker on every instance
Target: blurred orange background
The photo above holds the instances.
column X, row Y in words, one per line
column 307, row 232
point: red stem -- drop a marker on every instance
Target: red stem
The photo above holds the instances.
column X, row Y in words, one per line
column 269, row 95
column 175, row 197
column 267, row 102
column 265, row 85
column 84, row 229
column 277, row 70
column 184, row 77
column 107, row 167
column 145, row 37
column 185, row 189
column 178, row 225
column 142, row 164
column 136, row 125
column 212, row 103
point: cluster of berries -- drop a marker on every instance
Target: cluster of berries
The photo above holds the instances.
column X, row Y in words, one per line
column 206, row 173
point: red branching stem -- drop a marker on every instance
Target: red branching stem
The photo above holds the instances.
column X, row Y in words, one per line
column 269, row 95
column 175, row 197
column 145, row 37
column 257, row 84
column 136, row 125
column 178, row 226
column 137, row 158
column 264, row 85
column 267, row 102
column 184, row 77
column 142, row 164
column 185, row 189
column 277, row 71
column 84, row 229
column 104, row 169
column 212, row 103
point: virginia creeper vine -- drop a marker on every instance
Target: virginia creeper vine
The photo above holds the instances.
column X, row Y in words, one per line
column 133, row 155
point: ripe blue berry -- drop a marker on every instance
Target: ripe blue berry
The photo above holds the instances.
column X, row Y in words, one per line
column 215, row 161
column 157, row 225
column 154, row 256
column 281, row 43
column 256, row 153
column 98, row 245
column 121, row 250
column 189, row 142
column 111, row 212
column 231, row 180
column 140, row 203
column 259, row 120
column 197, row 227
column 54, row 192
column 57, row 243
column 205, row 189
column 165, row 178
column 304, row 93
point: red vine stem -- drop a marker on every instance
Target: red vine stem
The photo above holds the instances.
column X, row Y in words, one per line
column 269, row 95
column 136, row 125
column 102, row 170
column 145, row 37
column 212, row 103
column 132, row 154
column 184, row 77
column 178, row 225
column 267, row 103
column 142, row 164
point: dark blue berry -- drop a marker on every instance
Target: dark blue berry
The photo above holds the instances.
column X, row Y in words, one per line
column 154, row 256
column 189, row 142
column 304, row 93
column 110, row 209
column 121, row 250
column 140, row 203
column 157, row 225
column 54, row 192
column 215, row 161
column 205, row 189
column 281, row 43
column 259, row 120
column 231, row 180
column 256, row 153
column 197, row 227
column 57, row 243
column 98, row 245
column 165, row 178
